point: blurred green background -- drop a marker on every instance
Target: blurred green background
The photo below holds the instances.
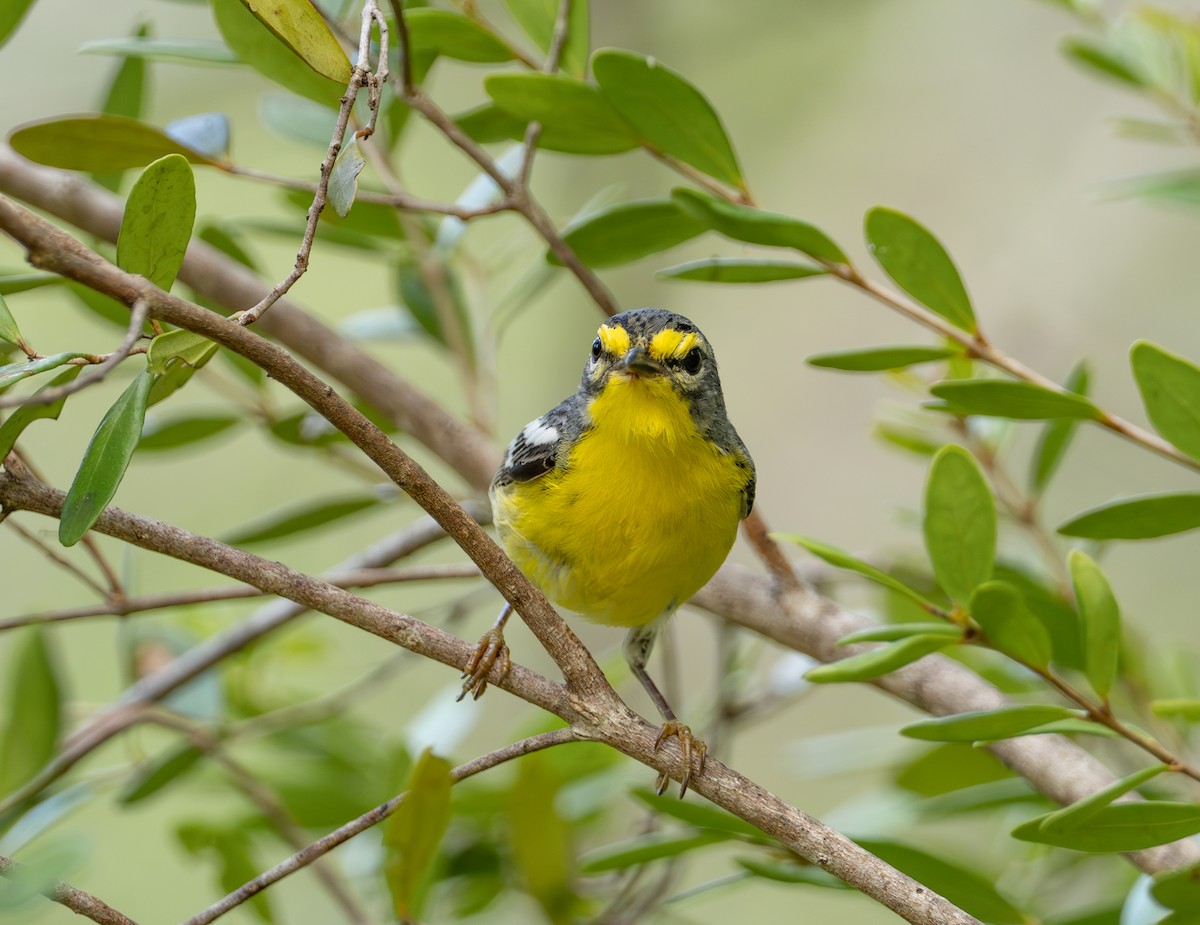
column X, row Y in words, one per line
column 966, row 116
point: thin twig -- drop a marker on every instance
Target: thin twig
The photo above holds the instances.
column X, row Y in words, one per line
column 138, row 314
column 359, row 78
column 534, row 129
column 76, row 900
column 53, row 555
column 343, row 834
column 123, row 607
column 115, row 588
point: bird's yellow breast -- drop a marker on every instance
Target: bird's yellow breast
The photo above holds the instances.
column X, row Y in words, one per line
column 639, row 518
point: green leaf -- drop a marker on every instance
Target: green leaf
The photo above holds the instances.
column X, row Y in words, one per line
column 667, row 111
column 178, row 51
column 184, row 431
column 986, row 725
column 960, row 885
column 1120, row 827
column 412, row 834
column 296, row 518
column 1101, row 621
column 753, row 226
column 960, row 522
column 300, row 26
column 1170, row 387
column 879, row 359
column 1140, row 518
column 538, row 17
column 1176, row 186
column 125, row 97
column 879, row 661
column 8, row 325
column 1100, row 60
column 1021, row 401
column 1056, row 436
column 105, row 460
column 343, row 179
column 15, row 372
column 1079, row 812
column 15, row 424
column 453, row 35
column 11, row 14
column 33, row 708
column 11, row 283
column 791, row 872
column 954, row 766
column 183, row 345
column 1178, row 707
column 918, row 264
column 1178, row 889
column 489, row 123
column 843, row 559
column 257, row 46
column 541, row 841
column 913, row 441
column 157, row 223
column 629, row 231
column 417, row 297
column 896, row 631
column 575, row 117
column 179, row 369
column 157, row 773
column 643, row 849
column 700, row 815
column 1010, row 626
column 97, row 143
column 740, row 270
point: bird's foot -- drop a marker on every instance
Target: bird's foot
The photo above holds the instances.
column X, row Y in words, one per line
column 692, row 747
column 492, row 650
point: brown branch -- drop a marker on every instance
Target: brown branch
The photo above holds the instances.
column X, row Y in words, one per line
column 76, row 900
column 372, row 817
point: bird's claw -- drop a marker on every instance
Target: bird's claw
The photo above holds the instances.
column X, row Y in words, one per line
column 491, row 650
column 691, row 747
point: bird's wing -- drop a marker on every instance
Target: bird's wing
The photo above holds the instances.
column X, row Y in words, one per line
column 536, row 449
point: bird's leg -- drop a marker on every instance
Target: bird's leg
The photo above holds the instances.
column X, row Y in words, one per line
column 491, row 649
column 638, row 645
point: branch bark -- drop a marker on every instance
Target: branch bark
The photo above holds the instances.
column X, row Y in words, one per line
column 76, row 900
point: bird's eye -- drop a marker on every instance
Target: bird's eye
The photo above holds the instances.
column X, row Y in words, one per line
column 596, row 349
column 692, row 361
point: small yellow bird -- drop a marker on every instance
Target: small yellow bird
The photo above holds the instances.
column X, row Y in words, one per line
column 624, row 499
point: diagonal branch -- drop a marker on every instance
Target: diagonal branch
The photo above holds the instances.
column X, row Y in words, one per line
column 76, row 900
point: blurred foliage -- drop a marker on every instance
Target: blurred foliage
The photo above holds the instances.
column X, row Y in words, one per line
column 257, row 754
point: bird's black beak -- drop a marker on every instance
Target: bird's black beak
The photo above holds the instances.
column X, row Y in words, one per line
column 640, row 363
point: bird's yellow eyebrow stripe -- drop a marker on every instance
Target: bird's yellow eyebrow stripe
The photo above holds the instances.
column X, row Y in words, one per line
column 614, row 340
column 670, row 344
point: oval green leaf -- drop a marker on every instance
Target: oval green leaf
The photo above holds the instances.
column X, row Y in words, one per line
column 105, row 460
column 897, row 631
column 541, row 840
column 1141, row 518
column 1100, row 620
column 180, row 345
column 14, row 425
column 302, row 28
column 15, row 372
column 1010, row 626
column 701, row 815
column 158, row 772
column 185, row 431
column 1178, row 889
column 740, row 270
column 256, row 45
column 754, row 226
column 866, row 666
column 411, row 835
column 97, row 143
column 1021, row 401
column 629, row 231
column 918, row 264
column 11, row 14
column 1178, row 708
column 343, row 179
column 575, row 117
column 643, row 849
column 1056, row 436
column 843, row 559
column 442, row 32
column 8, row 325
column 880, row 359
column 33, row 711
column 667, row 111
column 157, row 223
column 986, row 725
column 1079, row 812
column 179, row 51
column 960, row 523
column 1170, row 387
column 297, row 518
column 1120, row 827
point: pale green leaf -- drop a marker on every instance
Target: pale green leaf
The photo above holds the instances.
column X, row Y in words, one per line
column 157, row 223
column 959, row 523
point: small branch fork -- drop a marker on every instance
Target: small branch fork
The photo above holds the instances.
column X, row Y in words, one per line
column 361, row 77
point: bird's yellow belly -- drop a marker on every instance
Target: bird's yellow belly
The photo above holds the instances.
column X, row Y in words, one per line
column 641, row 516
